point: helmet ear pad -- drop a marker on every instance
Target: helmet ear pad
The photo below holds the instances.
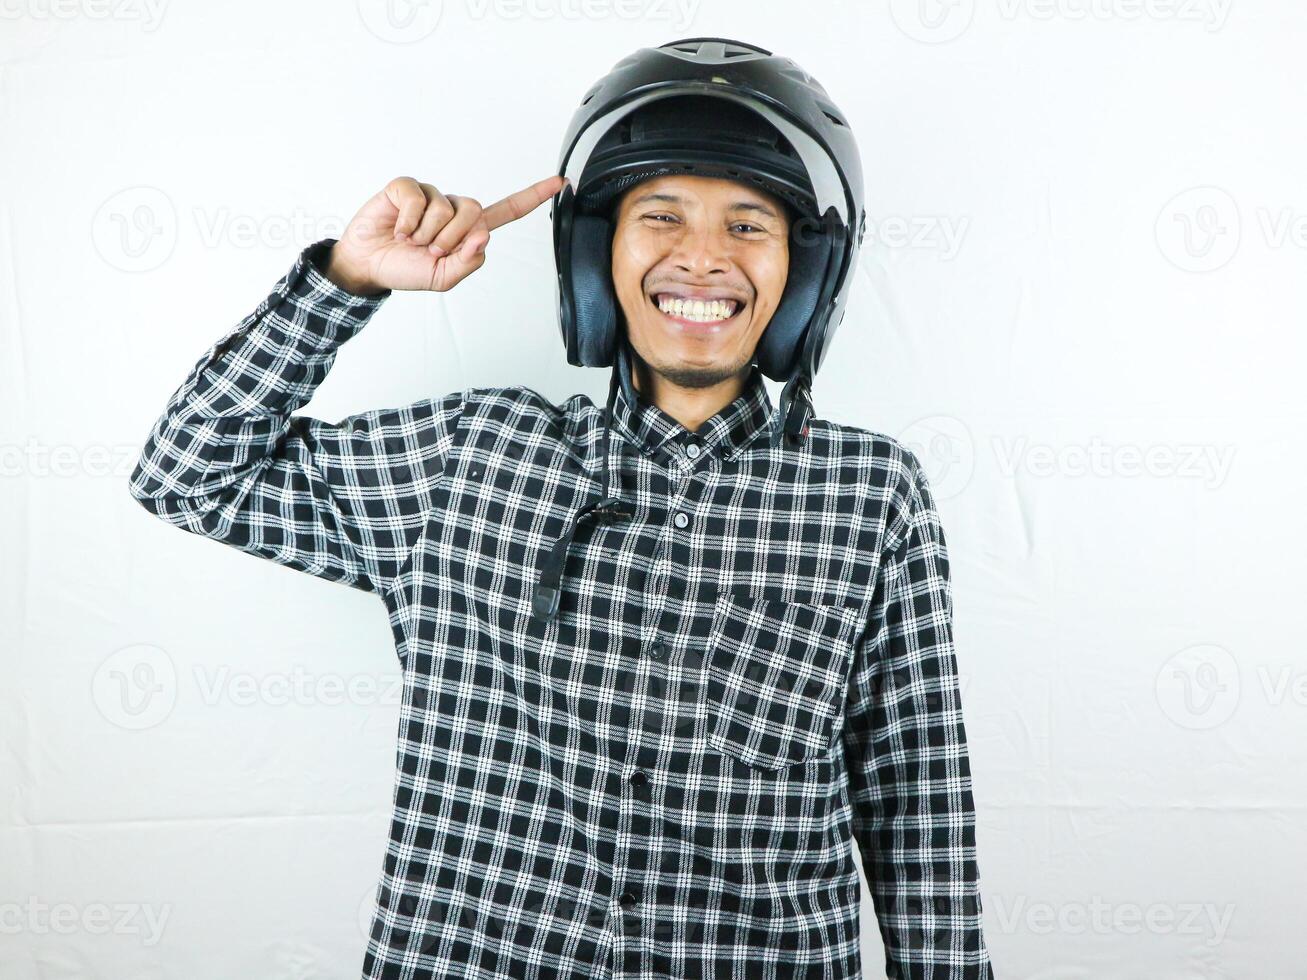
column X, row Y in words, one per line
column 592, row 289
column 778, row 347
column 596, row 303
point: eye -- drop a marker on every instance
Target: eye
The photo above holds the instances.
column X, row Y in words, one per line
column 749, row 228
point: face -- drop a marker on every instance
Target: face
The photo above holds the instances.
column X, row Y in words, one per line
column 694, row 238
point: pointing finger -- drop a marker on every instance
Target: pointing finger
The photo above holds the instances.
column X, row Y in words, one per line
column 523, row 202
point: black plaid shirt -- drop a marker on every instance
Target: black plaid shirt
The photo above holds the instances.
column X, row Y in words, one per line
column 666, row 778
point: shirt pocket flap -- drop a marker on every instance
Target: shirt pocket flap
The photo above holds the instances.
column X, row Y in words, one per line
column 776, row 677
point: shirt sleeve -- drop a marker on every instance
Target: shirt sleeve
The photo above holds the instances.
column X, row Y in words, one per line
column 228, row 460
column 906, row 751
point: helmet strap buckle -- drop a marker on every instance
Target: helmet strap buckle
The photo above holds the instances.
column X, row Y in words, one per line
column 795, row 412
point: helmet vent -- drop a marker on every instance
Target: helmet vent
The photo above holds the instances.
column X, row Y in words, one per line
column 735, row 51
column 713, row 48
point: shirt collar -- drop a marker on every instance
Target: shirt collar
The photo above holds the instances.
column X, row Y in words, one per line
column 726, row 433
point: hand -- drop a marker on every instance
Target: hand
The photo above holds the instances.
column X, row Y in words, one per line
column 411, row 236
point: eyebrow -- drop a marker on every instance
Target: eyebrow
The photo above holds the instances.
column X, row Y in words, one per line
column 737, row 206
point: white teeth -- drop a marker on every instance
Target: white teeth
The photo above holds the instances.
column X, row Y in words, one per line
column 706, row 311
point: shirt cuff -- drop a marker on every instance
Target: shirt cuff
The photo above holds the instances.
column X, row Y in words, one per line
column 316, row 281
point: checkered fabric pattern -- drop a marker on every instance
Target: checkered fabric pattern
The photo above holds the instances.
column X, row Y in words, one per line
column 667, row 777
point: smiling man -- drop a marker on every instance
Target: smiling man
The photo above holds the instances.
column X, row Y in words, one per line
column 668, row 661
column 699, row 265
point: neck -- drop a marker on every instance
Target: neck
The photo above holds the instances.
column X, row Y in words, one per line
column 691, row 407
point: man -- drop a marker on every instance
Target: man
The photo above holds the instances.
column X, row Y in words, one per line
column 661, row 668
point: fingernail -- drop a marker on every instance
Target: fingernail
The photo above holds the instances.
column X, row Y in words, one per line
column 436, row 249
column 401, row 236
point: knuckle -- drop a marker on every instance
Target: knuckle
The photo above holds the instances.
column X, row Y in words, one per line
column 440, row 208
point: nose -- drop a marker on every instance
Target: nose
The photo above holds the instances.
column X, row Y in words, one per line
column 700, row 251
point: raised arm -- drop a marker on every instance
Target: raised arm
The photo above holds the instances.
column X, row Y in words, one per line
column 228, row 460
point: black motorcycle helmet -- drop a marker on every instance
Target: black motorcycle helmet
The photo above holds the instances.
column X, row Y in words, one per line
column 719, row 108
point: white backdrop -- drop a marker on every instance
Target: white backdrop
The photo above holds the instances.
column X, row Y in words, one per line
column 1081, row 300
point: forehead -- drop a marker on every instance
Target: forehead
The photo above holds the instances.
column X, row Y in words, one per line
column 695, row 189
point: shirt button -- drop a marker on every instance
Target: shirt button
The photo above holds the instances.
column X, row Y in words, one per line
column 692, row 450
column 628, row 900
column 657, row 650
column 681, row 519
column 638, row 778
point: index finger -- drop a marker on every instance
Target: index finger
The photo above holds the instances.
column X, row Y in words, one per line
column 523, row 202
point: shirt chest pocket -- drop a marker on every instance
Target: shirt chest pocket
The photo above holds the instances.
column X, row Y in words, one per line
column 776, row 677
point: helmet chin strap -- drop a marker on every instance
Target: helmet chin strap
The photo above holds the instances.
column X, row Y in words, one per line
column 622, row 366
column 794, row 411
column 608, row 509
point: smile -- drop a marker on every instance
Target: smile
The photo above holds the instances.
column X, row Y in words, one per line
column 697, row 315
